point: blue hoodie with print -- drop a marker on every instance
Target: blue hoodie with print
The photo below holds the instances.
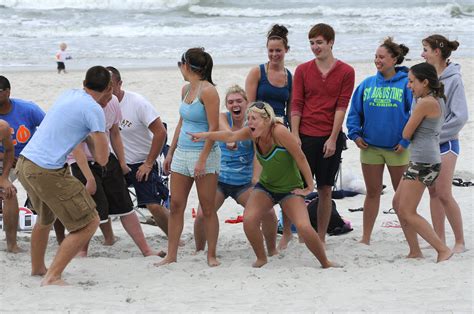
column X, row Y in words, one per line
column 380, row 109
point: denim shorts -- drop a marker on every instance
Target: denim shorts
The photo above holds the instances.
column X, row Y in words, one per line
column 231, row 190
column 450, row 146
column 277, row 198
column 184, row 161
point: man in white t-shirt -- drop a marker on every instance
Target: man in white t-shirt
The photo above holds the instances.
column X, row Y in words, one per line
column 143, row 136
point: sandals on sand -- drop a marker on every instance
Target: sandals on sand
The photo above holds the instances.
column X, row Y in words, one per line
column 461, row 182
column 389, row 211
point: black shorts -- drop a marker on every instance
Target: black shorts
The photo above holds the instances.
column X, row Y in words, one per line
column 323, row 169
column 112, row 197
column 233, row 191
column 61, row 66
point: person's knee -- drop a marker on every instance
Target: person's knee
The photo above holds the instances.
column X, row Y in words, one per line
column 325, row 191
column 404, row 216
column 395, row 203
column 250, row 220
column 445, row 196
column 374, row 192
column 304, row 227
column 95, row 222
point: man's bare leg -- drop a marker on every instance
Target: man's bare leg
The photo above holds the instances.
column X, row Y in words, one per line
column 108, row 232
column 10, row 221
column 60, row 231
column 69, row 248
column 131, row 224
column 39, row 242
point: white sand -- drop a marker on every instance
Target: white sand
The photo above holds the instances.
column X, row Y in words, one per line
column 118, row 279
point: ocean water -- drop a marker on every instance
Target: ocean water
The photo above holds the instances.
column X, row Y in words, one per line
column 144, row 33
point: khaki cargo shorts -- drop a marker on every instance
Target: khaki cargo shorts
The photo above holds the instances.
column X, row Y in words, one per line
column 56, row 193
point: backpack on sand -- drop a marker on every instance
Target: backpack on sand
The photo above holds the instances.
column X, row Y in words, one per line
column 337, row 225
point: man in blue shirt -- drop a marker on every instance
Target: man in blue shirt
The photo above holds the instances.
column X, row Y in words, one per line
column 75, row 116
column 23, row 118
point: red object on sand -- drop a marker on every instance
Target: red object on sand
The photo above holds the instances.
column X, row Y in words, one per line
column 193, row 213
column 236, row 220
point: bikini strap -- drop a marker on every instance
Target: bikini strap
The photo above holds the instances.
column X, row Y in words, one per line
column 198, row 94
column 186, row 93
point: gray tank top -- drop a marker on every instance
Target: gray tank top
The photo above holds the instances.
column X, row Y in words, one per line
column 424, row 147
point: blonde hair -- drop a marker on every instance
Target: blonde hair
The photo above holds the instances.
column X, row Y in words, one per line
column 266, row 112
column 235, row 89
column 62, row 46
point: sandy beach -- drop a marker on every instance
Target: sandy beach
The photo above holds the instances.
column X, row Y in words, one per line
column 375, row 278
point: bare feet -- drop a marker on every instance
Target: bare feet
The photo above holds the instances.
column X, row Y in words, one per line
column 53, row 282
column 167, row 260
column 415, row 255
column 109, row 242
column 81, row 254
column 330, row 264
column 366, row 242
column 444, row 255
column 459, row 248
column 259, row 263
column 40, row 272
column 152, row 253
column 285, row 239
column 15, row 249
column 273, row 252
column 212, row 261
column 181, row 243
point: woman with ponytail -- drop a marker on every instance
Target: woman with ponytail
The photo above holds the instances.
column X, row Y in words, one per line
column 422, row 129
column 271, row 82
column 379, row 110
column 189, row 161
column 436, row 51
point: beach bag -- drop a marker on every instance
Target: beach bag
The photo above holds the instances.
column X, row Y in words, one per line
column 337, row 225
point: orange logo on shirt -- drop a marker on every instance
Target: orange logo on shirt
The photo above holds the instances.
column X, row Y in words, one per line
column 23, row 134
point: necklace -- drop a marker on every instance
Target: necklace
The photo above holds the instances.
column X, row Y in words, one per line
column 267, row 68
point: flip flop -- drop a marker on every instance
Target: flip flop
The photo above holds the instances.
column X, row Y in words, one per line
column 389, row 211
column 356, row 209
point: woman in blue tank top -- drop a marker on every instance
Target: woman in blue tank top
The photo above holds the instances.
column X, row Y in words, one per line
column 189, row 162
column 423, row 130
column 272, row 82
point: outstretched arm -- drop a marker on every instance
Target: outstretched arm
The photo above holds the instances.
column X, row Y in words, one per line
column 223, row 136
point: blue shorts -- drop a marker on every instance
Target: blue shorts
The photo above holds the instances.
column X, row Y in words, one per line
column 152, row 191
column 450, row 146
column 184, row 161
column 231, row 190
column 277, row 198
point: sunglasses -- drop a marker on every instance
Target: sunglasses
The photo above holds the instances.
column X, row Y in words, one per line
column 185, row 61
column 260, row 105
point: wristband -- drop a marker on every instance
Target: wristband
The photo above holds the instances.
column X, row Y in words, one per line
column 405, row 143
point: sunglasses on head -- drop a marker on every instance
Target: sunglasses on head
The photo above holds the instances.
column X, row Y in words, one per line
column 185, row 61
column 260, row 105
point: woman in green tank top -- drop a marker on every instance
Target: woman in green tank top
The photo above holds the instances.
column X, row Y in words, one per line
column 280, row 182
